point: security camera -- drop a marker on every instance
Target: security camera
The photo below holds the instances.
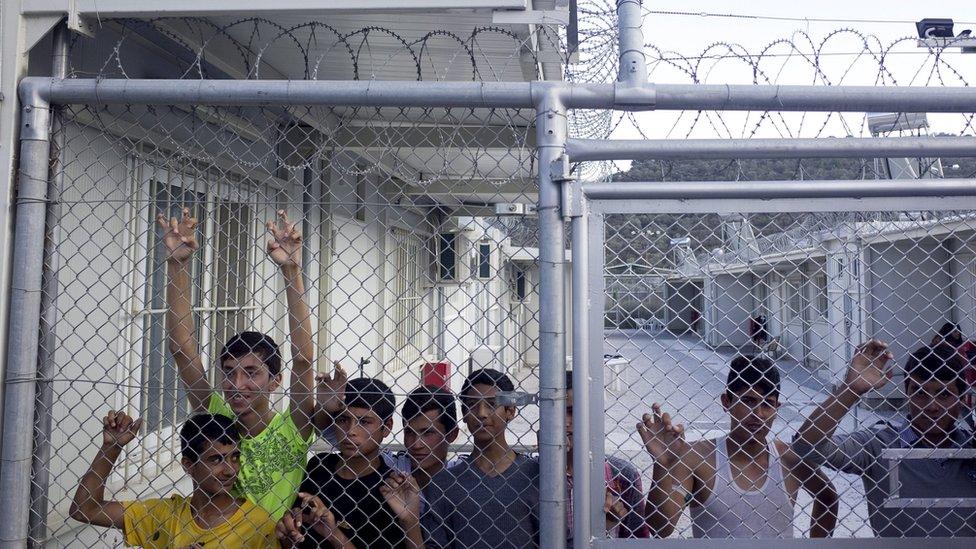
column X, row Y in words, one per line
column 934, row 28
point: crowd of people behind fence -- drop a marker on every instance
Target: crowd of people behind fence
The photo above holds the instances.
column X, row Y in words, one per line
column 254, row 484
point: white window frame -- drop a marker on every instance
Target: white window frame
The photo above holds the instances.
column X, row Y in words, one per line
column 478, row 256
column 407, row 284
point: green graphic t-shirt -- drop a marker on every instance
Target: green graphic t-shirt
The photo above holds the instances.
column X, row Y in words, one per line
column 272, row 463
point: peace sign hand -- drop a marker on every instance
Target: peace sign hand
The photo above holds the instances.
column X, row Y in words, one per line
column 179, row 236
column 285, row 244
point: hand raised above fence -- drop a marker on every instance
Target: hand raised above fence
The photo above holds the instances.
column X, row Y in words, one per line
column 870, row 368
column 329, row 390
column 664, row 440
column 179, row 236
column 285, row 244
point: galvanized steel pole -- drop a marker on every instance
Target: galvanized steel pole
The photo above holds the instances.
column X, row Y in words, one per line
column 633, row 66
column 814, row 98
column 40, row 469
column 551, row 128
column 582, row 467
column 503, row 95
column 582, row 150
column 765, row 190
column 25, row 312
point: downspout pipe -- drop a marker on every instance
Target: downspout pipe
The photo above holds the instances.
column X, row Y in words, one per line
column 23, row 332
column 41, row 468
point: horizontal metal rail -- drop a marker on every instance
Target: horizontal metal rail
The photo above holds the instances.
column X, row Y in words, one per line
column 765, row 190
column 583, row 150
column 823, row 543
column 37, row 90
column 814, row 98
column 899, row 454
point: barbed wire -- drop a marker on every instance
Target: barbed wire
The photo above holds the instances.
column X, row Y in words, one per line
column 255, row 48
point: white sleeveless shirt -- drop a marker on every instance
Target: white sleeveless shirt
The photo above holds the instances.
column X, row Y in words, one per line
column 731, row 512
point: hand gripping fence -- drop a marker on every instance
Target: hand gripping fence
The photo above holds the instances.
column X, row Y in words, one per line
column 795, row 334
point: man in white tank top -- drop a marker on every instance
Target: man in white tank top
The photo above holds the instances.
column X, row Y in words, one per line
column 740, row 485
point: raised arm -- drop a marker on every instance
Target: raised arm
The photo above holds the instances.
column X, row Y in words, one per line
column 179, row 238
column 672, row 477
column 89, row 505
column 869, row 370
column 285, row 249
column 826, row 502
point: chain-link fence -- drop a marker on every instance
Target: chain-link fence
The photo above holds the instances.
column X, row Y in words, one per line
column 409, row 278
column 204, row 260
column 417, row 270
column 814, row 378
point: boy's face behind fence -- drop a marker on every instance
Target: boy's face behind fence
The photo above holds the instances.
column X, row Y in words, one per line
column 246, row 383
column 426, row 441
column 751, row 412
column 485, row 419
column 215, row 471
column 360, row 431
column 933, row 405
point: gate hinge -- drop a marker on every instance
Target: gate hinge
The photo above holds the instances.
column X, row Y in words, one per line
column 571, row 189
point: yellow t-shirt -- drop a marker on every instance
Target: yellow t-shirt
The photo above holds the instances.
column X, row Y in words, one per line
column 168, row 523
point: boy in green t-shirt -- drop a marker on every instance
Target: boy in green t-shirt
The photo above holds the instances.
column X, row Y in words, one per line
column 274, row 445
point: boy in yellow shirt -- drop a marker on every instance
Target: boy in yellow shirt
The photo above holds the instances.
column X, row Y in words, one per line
column 211, row 517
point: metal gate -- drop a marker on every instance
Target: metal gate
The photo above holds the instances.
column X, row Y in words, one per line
column 803, row 231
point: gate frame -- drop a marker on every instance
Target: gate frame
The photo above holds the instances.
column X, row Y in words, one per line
column 588, row 206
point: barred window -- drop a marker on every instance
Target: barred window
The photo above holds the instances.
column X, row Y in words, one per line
column 408, row 318
column 220, row 276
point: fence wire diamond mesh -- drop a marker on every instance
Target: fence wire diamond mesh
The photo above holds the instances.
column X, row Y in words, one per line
column 789, row 373
column 409, row 276
column 179, row 236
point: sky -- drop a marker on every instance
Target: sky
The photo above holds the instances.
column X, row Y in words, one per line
column 906, row 64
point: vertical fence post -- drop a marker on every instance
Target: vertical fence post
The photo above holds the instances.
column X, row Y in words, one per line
column 633, row 66
column 551, row 130
column 582, row 481
column 40, row 470
column 25, row 311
